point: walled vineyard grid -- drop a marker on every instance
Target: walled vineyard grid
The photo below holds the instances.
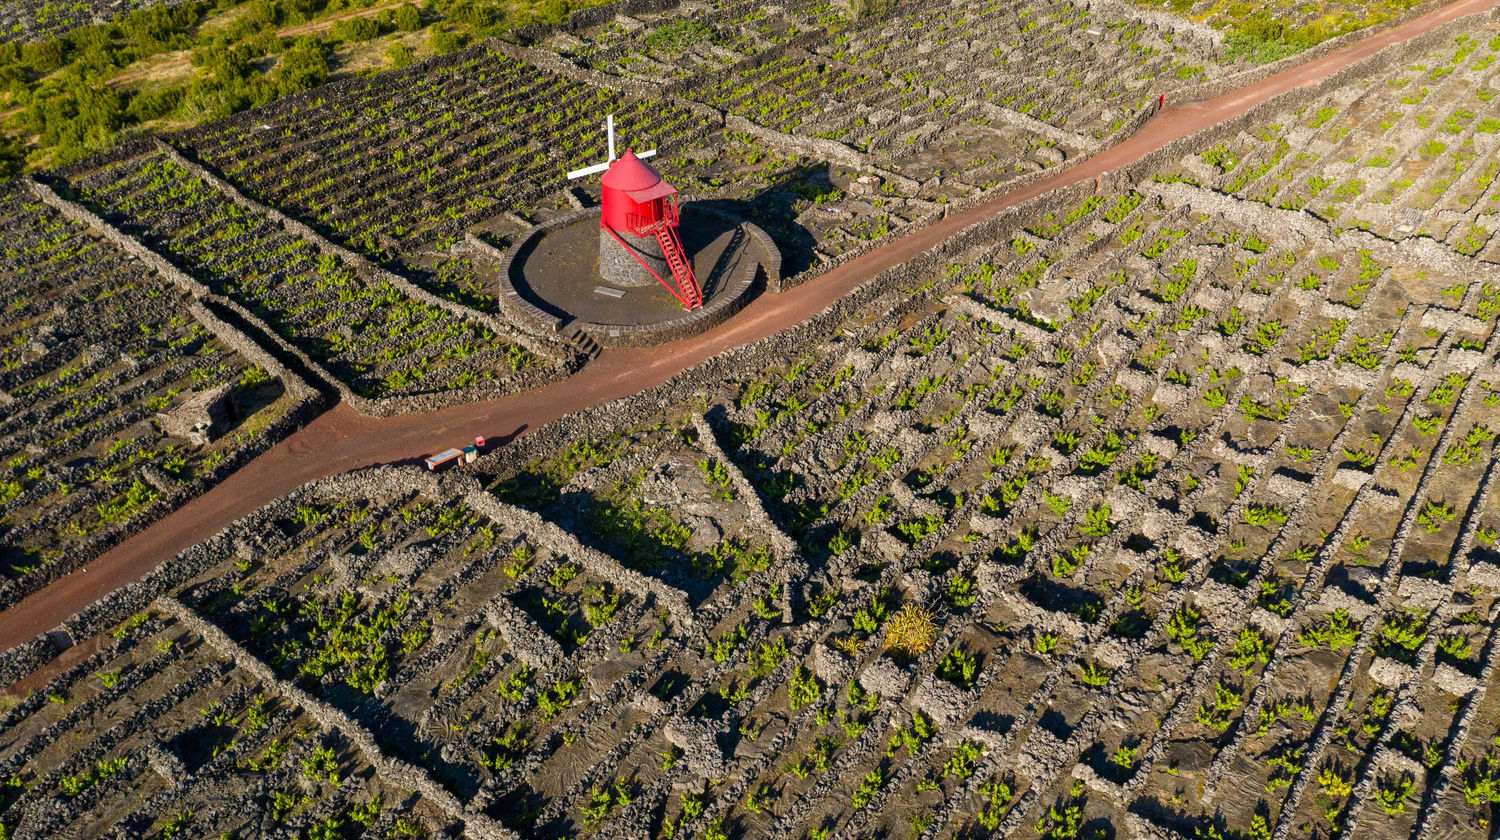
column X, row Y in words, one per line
column 1182, row 489
column 1156, row 495
column 408, row 161
column 96, row 345
column 1408, row 153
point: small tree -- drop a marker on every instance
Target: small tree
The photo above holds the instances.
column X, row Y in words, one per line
column 408, row 18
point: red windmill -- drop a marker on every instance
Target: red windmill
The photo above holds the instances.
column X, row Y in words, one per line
column 639, row 218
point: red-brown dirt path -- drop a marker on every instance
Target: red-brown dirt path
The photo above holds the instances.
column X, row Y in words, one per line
column 341, row 440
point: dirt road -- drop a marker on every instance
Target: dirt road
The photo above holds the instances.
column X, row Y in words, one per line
column 341, row 440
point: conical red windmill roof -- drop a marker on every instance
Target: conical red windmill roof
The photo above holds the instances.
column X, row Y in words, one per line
column 629, row 173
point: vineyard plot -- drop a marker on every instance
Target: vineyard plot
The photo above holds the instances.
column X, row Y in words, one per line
column 120, row 398
column 370, row 336
column 1103, row 523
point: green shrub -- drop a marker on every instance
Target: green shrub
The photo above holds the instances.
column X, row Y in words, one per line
column 400, row 55
column 442, row 41
column 959, row 668
column 804, row 688
column 408, row 18
column 1251, row 647
column 354, row 29
column 677, row 35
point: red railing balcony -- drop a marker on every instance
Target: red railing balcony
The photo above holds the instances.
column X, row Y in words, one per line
column 643, row 225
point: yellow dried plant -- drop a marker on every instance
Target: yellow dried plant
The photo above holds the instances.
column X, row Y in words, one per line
column 912, row 631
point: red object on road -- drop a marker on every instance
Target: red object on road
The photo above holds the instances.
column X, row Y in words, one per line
column 479, row 441
column 1161, row 102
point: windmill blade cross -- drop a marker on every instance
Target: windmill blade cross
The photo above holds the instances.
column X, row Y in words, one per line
column 609, row 131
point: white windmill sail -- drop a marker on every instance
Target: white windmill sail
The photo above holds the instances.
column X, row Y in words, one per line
column 609, row 129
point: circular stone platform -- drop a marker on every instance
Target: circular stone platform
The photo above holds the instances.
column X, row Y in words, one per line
column 551, row 277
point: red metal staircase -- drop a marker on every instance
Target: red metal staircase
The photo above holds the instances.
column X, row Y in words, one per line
column 677, row 261
column 665, row 230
